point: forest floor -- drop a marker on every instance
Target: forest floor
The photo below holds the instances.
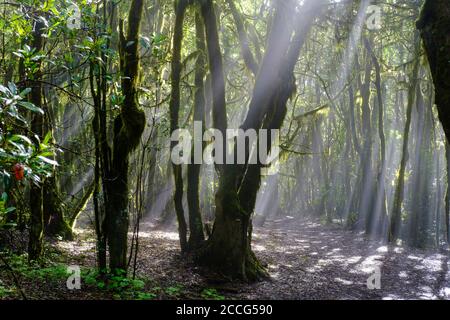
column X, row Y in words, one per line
column 305, row 259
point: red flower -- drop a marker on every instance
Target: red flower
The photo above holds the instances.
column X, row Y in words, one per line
column 18, row 171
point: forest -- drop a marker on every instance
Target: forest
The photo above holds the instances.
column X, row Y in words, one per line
column 224, row 150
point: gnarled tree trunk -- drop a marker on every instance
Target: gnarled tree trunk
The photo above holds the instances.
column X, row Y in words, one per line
column 37, row 126
column 128, row 128
column 196, row 236
column 180, row 9
column 434, row 26
column 228, row 249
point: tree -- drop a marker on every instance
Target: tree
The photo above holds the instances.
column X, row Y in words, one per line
column 37, row 126
column 196, row 236
column 434, row 26
column 174, row 105
column 128, row 128
column 395, row 219
column 228, row 249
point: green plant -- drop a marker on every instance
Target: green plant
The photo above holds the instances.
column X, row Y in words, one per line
column 211, row 294
column 118, row 284
column 145, row 296
column 174, row 291
column 21, row 159
column 5, row 291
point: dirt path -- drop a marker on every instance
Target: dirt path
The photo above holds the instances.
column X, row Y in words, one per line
column 307, row 260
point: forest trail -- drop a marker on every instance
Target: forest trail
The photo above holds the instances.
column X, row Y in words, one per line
column 306, row 260
column 309, row 260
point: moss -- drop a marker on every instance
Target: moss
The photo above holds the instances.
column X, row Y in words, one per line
column 128, row 128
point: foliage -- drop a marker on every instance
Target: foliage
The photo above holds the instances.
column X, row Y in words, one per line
column 211, row 294
column 17, row 150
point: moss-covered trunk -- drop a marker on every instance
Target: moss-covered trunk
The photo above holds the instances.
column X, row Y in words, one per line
column 128, row 128
column 196, row 236
column 180, row 9
column 54, row 218
column 228, row 249
column 37, row 126
column 377, row 215
column 396, row 217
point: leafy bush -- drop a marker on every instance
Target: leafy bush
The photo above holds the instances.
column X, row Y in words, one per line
column 23, row 157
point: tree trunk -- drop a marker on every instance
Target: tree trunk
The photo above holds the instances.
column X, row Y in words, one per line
column 174, row 116
column 377, row 214
column 37, row 126
column 196, row 236
column 247, row 54
column 447, row 197
column 365, row 200
column 434, row 26
column 54, row 218
column 128, row 128
column 228, row 249
column 395, row 219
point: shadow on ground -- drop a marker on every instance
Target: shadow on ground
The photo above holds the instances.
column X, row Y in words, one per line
column 308, row 260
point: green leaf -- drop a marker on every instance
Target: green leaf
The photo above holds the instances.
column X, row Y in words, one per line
column 25, row 92
column 49, row 161
column 47, row 137
column 10, row 209
column 4, row 90
column 30, row 106
column 21, row 137
column 12, row 87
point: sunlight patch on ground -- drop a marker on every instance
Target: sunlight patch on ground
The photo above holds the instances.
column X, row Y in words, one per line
column 403, row 274
column 370, row 263
column 427, row 293
column 445, row 293
column 290, row 249
column 256, row 235
column 313, row 269
column 433, row 263
column 159, row 235
column 258, row 247
column 392, row 297
column 399, row 250
column 76, row 247
column 273, row 266
column 332, row 259
column 413, row 257
column 343, row 281
column 382, row 249
column 354, row 259
column 273, row 270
